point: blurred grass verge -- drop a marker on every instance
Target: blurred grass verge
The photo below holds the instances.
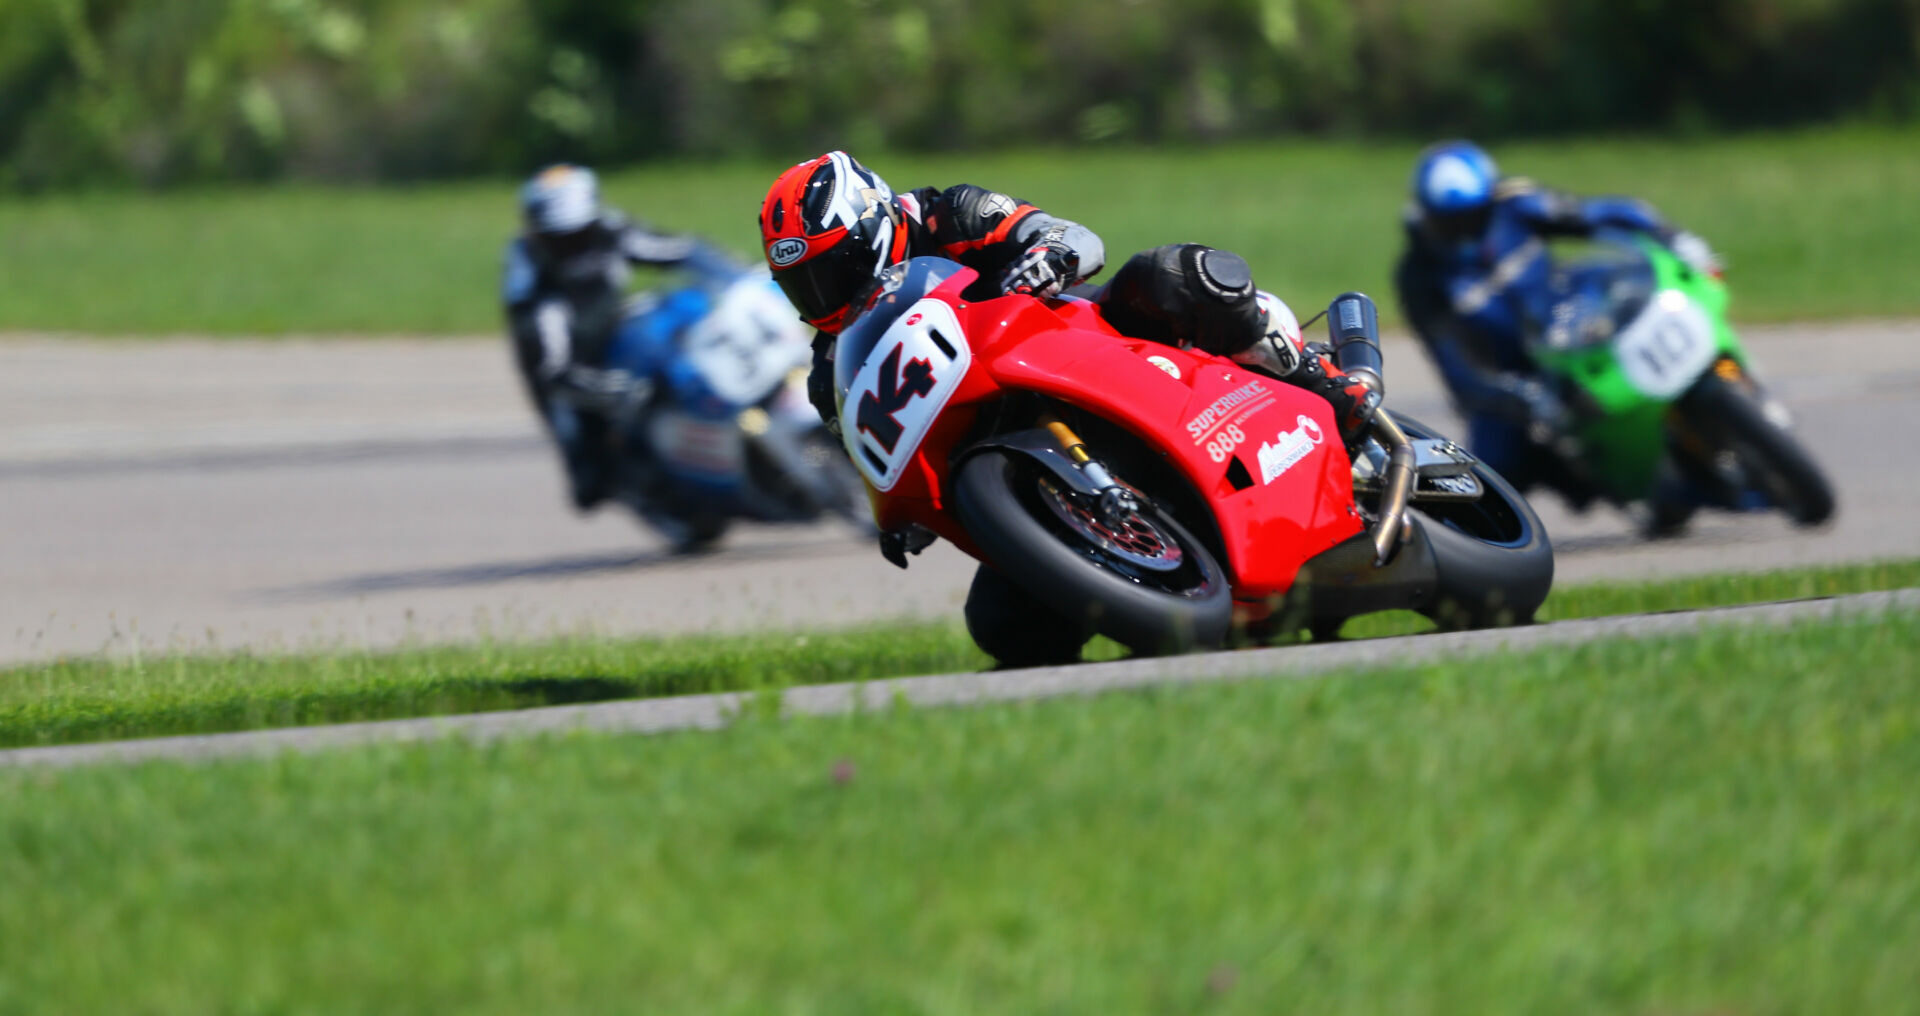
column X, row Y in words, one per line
column 1717, row 823
column 92, row 699
column 1814, row 224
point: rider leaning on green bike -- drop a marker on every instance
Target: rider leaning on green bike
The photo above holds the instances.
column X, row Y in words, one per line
column 1475, row 262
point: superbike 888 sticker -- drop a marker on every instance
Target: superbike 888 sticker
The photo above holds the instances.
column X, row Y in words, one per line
column 1217, row 426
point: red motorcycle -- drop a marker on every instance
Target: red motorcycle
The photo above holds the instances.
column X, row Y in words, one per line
column 1154, row 494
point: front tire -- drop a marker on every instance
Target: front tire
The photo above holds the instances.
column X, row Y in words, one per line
column 1149, row 585
column 1728, row 418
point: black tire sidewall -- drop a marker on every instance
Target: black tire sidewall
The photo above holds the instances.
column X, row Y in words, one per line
column 1031, row 554
column 1015, row 627
column 1723, row 410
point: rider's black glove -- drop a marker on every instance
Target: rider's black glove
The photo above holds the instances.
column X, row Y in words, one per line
column 1046, row 268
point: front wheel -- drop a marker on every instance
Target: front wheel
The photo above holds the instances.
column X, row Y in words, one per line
column 1143, row 580
column 1731, row 420
column 1493, row 560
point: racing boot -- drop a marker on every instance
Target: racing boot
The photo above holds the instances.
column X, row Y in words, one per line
column 589, row 461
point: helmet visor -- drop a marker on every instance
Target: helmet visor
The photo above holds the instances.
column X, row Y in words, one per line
column 822, row 286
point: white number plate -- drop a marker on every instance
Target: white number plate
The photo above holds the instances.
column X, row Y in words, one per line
column 1667, row 347
column 900, row 390
column 749, row 342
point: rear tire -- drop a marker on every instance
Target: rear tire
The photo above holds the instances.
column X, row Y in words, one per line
column 1493, row 560
column 1730, row 419
column 1167, row 596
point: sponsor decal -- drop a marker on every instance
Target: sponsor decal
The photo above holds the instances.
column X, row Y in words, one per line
column 1223, row 407
column 1455, row 484
column 1289, row 448
column 1172, row 370
column 915, row 319
column 785, row 252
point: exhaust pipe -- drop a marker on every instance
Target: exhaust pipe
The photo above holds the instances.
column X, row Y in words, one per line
column 1393, row 500
column 1353, row 329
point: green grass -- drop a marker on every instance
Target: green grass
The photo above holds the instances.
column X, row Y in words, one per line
column 90, row 699
column 1814, row 224
column 1718, row 824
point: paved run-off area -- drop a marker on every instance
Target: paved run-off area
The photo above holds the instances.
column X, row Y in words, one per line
column 289, row 494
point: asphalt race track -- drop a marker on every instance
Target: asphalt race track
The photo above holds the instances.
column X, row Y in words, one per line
column 188, row 494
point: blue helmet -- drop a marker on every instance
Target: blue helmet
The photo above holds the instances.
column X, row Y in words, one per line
column 1454, row 178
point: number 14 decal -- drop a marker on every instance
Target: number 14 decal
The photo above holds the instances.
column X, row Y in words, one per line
column 878, row 411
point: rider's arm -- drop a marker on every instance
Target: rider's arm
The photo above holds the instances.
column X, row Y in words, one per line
column 1553, row 212
column 1479, row 387
column 643, row 245
column 1476, row 384
column 987, row 230
column 1083, row 241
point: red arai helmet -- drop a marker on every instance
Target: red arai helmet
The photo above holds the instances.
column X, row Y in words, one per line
column 829, row 226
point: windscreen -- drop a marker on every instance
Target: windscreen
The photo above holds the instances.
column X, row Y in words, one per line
column 901, row 286
column 1592, row 293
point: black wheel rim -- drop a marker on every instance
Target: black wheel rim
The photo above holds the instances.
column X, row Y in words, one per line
column 1142, row 550
column 1135, row 539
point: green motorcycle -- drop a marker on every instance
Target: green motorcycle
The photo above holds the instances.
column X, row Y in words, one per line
column 1668, row 411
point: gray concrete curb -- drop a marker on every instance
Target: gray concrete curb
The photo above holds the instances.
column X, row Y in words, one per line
column 711, row 712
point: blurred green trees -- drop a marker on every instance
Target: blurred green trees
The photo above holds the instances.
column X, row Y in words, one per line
column 159, row 91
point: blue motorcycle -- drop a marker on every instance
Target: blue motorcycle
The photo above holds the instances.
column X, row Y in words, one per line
column 716, row 426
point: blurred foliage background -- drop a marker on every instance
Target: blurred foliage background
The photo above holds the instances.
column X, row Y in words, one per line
column 154, row 93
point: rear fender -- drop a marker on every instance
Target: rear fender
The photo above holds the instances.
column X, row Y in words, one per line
column 1264, row 456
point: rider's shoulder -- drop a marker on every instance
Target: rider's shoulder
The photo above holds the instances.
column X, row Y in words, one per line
column 972, row 205
column 1531, row 199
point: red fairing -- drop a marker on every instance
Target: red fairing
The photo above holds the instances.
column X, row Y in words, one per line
column 1291, row 496
column 919, row 496
column 1265, row 456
